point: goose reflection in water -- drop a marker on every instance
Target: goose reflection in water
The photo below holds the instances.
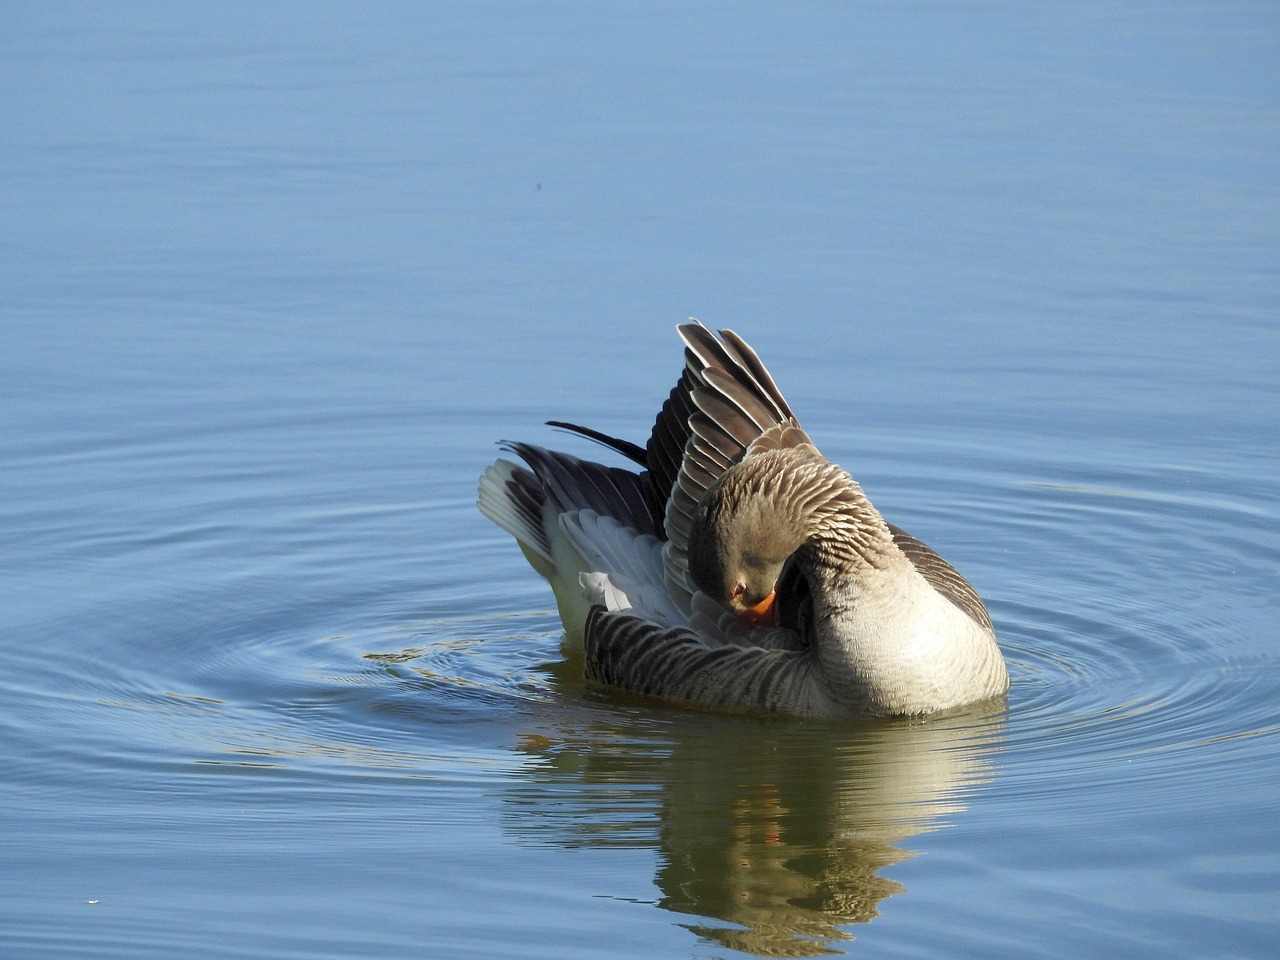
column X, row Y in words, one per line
column 773, row 834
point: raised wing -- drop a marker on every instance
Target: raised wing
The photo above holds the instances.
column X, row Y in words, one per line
column 724, row 406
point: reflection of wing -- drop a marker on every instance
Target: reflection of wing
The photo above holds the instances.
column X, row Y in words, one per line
column 770, row 834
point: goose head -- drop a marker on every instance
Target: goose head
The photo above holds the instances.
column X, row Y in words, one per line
column 737, row 552
column 759, row 515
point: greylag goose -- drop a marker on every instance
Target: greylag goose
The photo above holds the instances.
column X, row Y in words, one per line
column 740, row 568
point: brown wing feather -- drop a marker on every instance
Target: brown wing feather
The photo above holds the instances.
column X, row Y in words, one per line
column 729, row 402
column 572, row 484
column 632, row 654
column 942, row 576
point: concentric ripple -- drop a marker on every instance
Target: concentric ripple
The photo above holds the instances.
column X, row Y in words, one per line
column 1122, row 630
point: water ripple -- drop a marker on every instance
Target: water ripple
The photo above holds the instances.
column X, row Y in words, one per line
column 1121, row 642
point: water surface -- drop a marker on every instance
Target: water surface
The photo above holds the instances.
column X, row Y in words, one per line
column 274, row 282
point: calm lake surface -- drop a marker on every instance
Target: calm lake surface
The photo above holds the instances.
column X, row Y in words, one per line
column 275, row 278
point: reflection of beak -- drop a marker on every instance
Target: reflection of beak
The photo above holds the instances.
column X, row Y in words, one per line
column 763, row 614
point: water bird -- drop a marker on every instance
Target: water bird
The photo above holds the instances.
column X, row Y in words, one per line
column 740, row 568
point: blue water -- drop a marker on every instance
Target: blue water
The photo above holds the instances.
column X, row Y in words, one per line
column 274, row 280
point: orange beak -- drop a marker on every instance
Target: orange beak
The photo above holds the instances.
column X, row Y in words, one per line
column 763, row 614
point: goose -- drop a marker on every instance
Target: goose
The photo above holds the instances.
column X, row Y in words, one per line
column 740, row 569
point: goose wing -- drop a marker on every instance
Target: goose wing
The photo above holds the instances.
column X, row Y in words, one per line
column 635, row 654
column 942, row 576
column 725, row 406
